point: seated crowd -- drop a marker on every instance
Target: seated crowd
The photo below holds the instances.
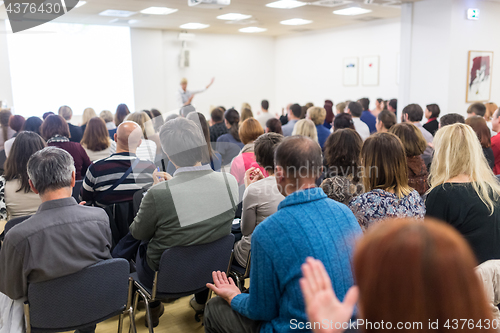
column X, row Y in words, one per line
column 326, row 208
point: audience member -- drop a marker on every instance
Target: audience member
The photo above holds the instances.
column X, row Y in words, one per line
column 413, row 113
column 341, row 107
column 343, row 120
column 229, row 144
column 385, row 178
column 88, row 114
column 33, row 124
column 16, row 123
column 329, row 114
column 157, row 120
column 265, row 115
column 46, row 114
column 379, row 107
column 75, row 132
column 450, row 119
column 121, row 113
column 385, row 120
column 218, row 127
column 464, row 191
column 16, row 197
column 210, row 157
column 108, row 118
column 186, row 109
column 96, row 141
column 273, row 125
column 476, row 109
column 261, row 197
column 5, row 131
column 367, row 117
column 324, row 229
column 244, row 106
column 249, row 131
column 303, row 111
column 490, row 109
column 483, row 133
column 414, row 145
column 432, row 112
column 293, row 115
column 306, row 127
column 166, row 217
column 246, row 113
column 55, row 131
column 317, row 115
column 495, row 141
column 103, row 183
column 392, row 106
column 343, row 172
column 392, row 265
column 62, row 238
column 355, row 109
column 150, row 145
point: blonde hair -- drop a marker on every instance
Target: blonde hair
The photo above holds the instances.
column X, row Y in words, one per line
column 246, row 114
column 88, row 114
column 246, row 106
column 184, row 80
column 317, row 115
column 107, row 116
column 142, row 119
column 457, row 151
column 306, row 127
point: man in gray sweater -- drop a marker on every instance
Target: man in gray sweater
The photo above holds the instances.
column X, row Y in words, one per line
column 195, row 206
column 61, row 238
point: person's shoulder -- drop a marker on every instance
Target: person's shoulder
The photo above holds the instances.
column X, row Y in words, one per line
column 223, row 138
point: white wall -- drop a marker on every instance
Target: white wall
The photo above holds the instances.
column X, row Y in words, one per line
column 243, row 67
column 309, row 66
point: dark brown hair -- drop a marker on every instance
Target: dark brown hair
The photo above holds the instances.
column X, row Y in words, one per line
column 387, row 118
column 16, row 122
column 199, row 119
column 4, row 123
column 479, row 109
column 296, row 154
column 428, row 263
column 25, row 145
column 265, row 146
column 479, row 126
column 343, row 120
column 434, row 110
column 414, row 112
column 96, row 136
column 274, row 126
column 384, row 164
column 412, row 139
column 217, row 115
column 342, row 150
column 250, row 130
column 233, row 118
column 54, row 125
column 121, row 113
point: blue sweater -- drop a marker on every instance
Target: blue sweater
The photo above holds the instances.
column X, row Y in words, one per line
column 323, row 134
column 368, row 118
column 307, row 223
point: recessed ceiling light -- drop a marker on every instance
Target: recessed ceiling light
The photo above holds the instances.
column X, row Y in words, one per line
column 133, row 21
column 351, row 11
column 286, row 4
column 194, row 26
column 79, row 4
column 296, row 21
column 252, row 30
column 234, row 17
column 159, row 10
column 117, row 13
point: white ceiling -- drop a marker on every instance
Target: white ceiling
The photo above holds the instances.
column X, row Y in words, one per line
column 262, row 16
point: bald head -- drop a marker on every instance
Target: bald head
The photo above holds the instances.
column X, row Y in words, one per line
column 128, row 137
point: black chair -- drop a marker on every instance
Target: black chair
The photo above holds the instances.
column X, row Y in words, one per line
column 240, row 274
column 12, row 223
column 82, row 299
column 185, row 271
column 77, row 189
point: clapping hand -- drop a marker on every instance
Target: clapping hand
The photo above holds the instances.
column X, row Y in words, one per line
column 159, row 176
column 252, row 175
column 223, row 286
column 321, row 301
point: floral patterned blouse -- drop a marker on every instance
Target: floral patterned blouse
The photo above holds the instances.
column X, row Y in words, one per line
column 379, row 204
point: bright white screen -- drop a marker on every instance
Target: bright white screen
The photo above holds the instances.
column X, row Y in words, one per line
column 70, row 64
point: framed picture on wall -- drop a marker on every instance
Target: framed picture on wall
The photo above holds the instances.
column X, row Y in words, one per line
column 351, row 71
column 480, row 66
column 371, row 70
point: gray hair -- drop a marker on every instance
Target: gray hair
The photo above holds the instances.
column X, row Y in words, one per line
column 183, row 142
column 50, row 169
column 186, row 109
column 65, row 112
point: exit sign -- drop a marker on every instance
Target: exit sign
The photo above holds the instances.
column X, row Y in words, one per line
column 473, row 14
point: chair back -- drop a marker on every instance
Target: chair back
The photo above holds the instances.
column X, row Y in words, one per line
column 77, row 189
column 189, row 269
column 87, row 297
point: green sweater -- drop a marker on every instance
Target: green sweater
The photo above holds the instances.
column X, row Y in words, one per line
column 194, row 207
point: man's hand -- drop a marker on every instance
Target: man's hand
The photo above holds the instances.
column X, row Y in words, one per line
column 321, row 301
column 159, row 177
column 223, row 286
column 83, row 203
column 252, row 175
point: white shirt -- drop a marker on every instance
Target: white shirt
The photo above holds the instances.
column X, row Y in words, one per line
column 146, row 151
column 263, row 118
column 362, row 128
column 184, row 96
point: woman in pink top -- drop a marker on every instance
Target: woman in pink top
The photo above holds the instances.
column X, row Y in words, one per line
column 249, row 130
